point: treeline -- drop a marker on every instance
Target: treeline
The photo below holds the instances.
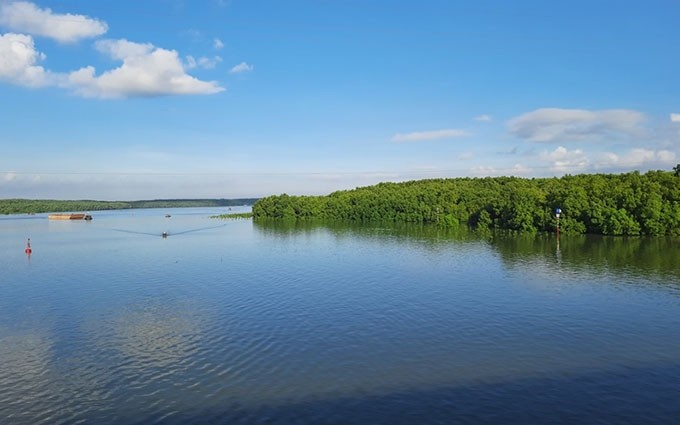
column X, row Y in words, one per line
column 34, row 206
column 608, row 204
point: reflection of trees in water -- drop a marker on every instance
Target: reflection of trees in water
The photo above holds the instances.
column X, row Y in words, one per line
column 641, row 256
column 629, row 256
column 406, row 231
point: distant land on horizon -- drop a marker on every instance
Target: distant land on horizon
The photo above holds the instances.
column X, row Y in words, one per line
column 27, row 206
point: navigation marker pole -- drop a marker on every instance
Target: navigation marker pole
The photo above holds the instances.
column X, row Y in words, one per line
column 557, row 215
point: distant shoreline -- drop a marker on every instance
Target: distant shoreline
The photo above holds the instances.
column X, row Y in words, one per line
column 35, row 206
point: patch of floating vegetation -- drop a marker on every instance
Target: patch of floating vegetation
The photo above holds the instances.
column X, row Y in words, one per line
column 235, row 216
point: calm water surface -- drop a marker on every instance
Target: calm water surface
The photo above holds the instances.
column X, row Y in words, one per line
column 239, row 322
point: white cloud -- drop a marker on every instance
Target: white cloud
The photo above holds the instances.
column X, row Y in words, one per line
column 121, row 49
column 146, row 71
column 18, row 61
column 637, row 157
column 484, row 117
column 242, row 67
column 487, row 170
column 520, row 169
column 483, row 171
column 202, row 62
column 665, row 156
column 420, row 136
column 209, row 63
column 563, row 160
column 675, row 117
column 218, row 44
column 465, row 156
column 26, row 17
column 566, row 125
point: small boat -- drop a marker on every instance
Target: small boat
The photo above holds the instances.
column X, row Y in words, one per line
column 167, row 215
column 61, row 216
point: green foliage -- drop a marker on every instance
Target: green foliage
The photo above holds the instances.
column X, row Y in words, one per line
column 34, row 206
column 609, row 204
column 235, row 216
column 31, row 206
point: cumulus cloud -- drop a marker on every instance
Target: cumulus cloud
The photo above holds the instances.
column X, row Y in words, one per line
column 638, row 157
column 26, row 17
column 665, row 156
column 484, row 117
column 562, row 160
column 554, row 125
column 218, row 44
column 420, row 136
column 122, row 49
column 19, row 61
column 675, row 117
column 520, row 169
column 146, row 71
column 242, row 67
column 484, row 171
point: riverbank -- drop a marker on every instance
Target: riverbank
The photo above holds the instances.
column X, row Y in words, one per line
column 35, row 206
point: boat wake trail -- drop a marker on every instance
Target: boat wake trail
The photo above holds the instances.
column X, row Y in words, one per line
column 168, row 233
column 199, row 229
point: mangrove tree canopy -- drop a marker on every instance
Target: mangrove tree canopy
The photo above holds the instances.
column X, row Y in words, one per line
column 609, row 204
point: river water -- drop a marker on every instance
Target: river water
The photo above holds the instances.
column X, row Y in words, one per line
column 230, row 321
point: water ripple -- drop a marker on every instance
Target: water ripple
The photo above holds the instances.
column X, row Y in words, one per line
column 325, row 327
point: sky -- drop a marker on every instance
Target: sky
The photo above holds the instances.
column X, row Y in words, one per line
column 168, row 99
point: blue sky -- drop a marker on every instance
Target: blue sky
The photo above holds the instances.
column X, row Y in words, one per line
column 233, row 98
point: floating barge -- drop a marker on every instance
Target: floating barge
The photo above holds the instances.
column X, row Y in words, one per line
column 69, row 217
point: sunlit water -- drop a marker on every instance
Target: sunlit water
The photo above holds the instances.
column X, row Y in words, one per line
column 107, row 322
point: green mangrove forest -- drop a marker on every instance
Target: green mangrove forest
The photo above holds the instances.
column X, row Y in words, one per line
column 34, row 206
column 608, row 204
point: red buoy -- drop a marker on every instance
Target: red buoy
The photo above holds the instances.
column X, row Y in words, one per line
column 28, row 249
